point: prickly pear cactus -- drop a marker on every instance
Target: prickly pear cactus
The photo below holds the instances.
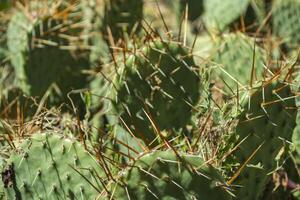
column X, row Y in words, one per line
column 264, row 126
column 158, row 85
column 123, row 16
column 286, row 23
column 219, row 14
column 163, row 175
column 296, row 134
column 48, row 166
column 234, row 56
column 42, row 52
column 195, row 8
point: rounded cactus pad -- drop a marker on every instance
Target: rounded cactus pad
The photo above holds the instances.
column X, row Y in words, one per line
column 158, row 85
column 266, row 122
column 238, row 60
column 286, row 23
column 42, row 47
column 48, row 166
column 219, row 14
column 165, row 175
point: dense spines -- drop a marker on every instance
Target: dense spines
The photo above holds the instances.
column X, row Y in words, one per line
column 239, row 61
column 285, row 21
column 48, row 166
column 265, row 125
column 156, row 89
column 122, row 16
column 166, row 175
column 36, row 43
column 159, row 86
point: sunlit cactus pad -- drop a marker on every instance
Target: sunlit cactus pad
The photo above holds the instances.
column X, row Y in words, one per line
column 48, row 166
column 239, row 60
column 218, row 14
column 286, row 21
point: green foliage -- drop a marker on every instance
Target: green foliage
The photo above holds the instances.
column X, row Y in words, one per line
column 219, row 14
column 265, row 124
column 163, row 175
column 47, row 166
column 286, row 24
column 195, row 8
column 234, row 54
column 153, row 118
column 159, row 84
column 42, row 56
column 123, row 16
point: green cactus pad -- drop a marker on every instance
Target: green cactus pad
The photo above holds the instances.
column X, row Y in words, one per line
column 40, row 53
column 195, row 8
column 296, row 133
column 264, row 125
column 123, row 16
column 48, row 166
column 221, row 13
column 162, row 175
column 286, row 23
column 234, row 56
column 160, row 80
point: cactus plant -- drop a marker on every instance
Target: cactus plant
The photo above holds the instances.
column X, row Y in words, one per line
column 264, row 126
column 47, row 166
column 158, row 85
column 122, row 16
column 285, row 20
column 234, row 53
column 219, row 14
column 166, row 175
column 195, row 8
column 36, row 42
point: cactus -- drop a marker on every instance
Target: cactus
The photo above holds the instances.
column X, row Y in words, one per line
column 165, row 175
column 39, row 48
column 5, row 4
column 123, row 16
column 296, row 134
column 264, row 126
column 285, row 21
column 234, row 53
column 48, row 166
column 158, row 85
column 195, row 8
column 219, row 14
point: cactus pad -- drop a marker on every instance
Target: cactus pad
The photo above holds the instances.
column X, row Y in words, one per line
column 219, row 13
column 286, row 23
column 47, row 166
column 159, row 80
column 235, row 55
column 41, row 56
column 162, row 175
column 123, row 16
column 264, row 125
